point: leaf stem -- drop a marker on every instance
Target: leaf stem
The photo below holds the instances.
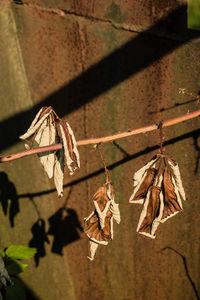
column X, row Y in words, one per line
column 104, row 139
column 104, row 163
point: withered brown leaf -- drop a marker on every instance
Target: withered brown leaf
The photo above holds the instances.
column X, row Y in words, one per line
column 99, row 225
column 171, row 205
column 142, row 188
column 40, row 117
column 160, row 188
column 150, row 212
column 69, row 143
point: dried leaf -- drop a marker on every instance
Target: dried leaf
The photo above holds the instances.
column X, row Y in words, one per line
column 141, row 189
column 171, row 205
column 93, row 249
column 48, row 137
column 114, row 208
column 177, row 178
column 70, row 149
column 59, row 171
column 37, row 122
column 150, row 216
column 93, row 230
column 140, row 173
column 99, row 225
column 102, row 204
column 40, row 130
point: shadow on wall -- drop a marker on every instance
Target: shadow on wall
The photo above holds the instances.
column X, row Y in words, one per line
column 196, row 139
column 65, row 229
column 184, row 261
column 18, row 291
column 38, row 240
column 138, row 53
column 8, row 198
column 195, row 100
column 127, row 157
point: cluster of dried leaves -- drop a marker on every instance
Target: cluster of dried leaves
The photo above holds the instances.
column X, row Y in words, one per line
column 47, row 129
column 157, row 185
column 99, row 224
column 159, row 188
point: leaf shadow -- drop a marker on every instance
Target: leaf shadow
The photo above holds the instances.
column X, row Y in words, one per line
column 38, row 240
column 9, row 198
column 65, row 228
column 184, row 261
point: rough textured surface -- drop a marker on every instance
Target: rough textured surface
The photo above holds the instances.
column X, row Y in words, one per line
column 89, row 60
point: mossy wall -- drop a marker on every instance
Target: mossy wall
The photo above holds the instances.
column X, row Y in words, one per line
column 105, row 67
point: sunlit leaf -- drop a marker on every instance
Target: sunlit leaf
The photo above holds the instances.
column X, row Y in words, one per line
column 20, row 252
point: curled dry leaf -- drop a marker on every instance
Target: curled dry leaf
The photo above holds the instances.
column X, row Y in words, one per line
column 70, row 149
column 47, row 137
column 59, row 171
column 45, row 133
column 159, row 188
column 99, row 225
column 42, row 115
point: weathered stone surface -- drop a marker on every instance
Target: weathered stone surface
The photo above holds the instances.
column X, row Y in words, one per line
column 129, row 15
column 102, row 80
column 20, row 180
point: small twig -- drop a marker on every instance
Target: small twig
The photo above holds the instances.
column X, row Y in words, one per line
column 105, row 139
column 104, row 164
column 184, row 92
column 160, row 126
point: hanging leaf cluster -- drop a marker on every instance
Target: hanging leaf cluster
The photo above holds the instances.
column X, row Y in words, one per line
column 157, row 186
column 99, row 224
column 48, row 129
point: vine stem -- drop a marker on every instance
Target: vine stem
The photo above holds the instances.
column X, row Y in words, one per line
column 104, row 139
column 104, row 164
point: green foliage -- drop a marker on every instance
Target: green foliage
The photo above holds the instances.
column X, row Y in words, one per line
column 20, row 252
column 15, row 266
column 12, row 266
column 194, row 14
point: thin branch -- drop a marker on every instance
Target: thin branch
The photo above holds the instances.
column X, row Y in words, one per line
column 104, row 139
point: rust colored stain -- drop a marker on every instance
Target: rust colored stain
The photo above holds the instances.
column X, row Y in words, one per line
column 56, row 50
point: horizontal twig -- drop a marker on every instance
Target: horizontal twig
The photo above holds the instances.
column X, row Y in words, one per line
column 104, row 139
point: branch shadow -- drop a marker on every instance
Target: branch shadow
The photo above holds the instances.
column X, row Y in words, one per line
column 124, row 160
column 144, row 49
column 8, row 198
column 184, row 260
column 196, row 139
column 173, row 106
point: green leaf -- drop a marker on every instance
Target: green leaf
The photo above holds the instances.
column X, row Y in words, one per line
column 2, row 253
column 15, row 291
column 20, row 252
column 194, row 14
column 15, row 266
